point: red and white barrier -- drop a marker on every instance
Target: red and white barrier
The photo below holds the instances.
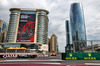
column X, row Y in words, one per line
column 13, row 55
column 18, row 55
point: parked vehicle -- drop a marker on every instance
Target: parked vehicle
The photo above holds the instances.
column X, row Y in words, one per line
column 53, row 54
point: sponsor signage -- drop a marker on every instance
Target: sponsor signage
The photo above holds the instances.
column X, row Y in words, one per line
column 71, row 57
column 26, row 28
column 8, row 56
column 21, row 55
column 80, row 56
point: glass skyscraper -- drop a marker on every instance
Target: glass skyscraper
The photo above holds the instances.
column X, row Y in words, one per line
column 78, row 27
column 69, row 44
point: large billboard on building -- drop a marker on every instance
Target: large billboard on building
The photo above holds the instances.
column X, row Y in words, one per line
column 4, row 27
column 26, row 28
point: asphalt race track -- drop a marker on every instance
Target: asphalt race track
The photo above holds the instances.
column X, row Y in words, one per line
column 53, row 60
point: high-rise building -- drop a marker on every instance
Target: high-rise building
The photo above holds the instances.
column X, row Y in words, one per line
column 49, row 44
column 53, row 44
column 3, row 30
column 27, row 28
column 69, row 44
column 78, row 27
column 28, row 25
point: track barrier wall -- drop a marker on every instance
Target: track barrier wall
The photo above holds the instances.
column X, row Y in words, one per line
column 81, row 56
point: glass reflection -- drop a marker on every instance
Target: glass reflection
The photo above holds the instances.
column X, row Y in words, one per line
column 78, row 26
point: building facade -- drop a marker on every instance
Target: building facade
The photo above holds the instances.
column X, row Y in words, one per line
column 28, row 25
column 78, row 27
column 3, row 30
column 53, row 44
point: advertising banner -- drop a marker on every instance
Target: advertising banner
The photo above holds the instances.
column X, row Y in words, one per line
column 26, row 28
column 81, row 56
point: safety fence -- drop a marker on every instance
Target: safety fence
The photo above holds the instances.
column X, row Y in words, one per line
column 86, row 46
column 10, row 55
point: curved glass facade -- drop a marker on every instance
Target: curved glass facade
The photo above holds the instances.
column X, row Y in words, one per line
column 42, row 34
column 12, row 26
column 78, row 26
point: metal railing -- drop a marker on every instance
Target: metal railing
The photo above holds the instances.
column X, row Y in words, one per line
column 86, row 46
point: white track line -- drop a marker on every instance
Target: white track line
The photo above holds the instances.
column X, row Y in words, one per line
column 16, row 60
column 92, row 64
column 49, row 63
column 37, row 60
column 30, row 60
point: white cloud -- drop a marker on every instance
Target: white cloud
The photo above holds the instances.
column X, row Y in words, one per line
column 4, row 3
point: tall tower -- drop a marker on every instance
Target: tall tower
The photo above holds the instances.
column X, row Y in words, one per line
column 78, row 27
column 69, row 44
column 53, row 43
column 28, row 25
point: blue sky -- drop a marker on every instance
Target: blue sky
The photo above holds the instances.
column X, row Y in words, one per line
column 59, row 12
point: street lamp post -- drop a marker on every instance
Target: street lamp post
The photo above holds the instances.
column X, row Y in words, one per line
column 92, row 46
